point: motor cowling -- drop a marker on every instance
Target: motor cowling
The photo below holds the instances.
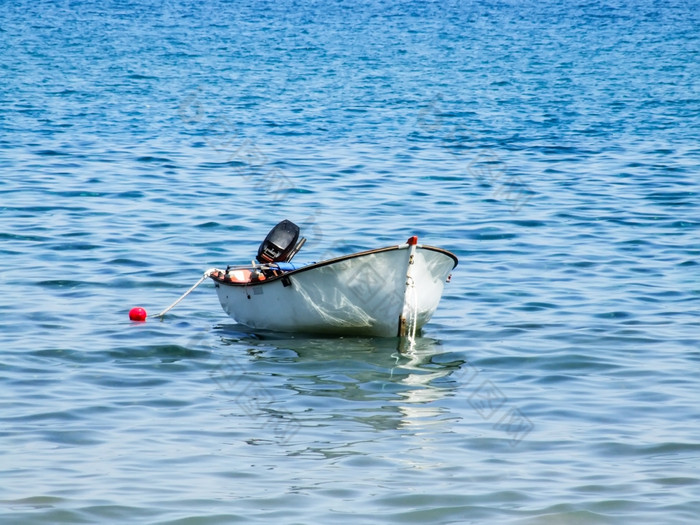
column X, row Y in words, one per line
column 280, row 243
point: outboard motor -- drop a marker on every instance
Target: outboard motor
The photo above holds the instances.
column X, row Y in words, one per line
column 280, row 245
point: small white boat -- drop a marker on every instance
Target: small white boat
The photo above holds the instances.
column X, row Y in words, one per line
column 386, row 292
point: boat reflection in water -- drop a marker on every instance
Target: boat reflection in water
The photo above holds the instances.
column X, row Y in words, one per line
column 340, row 382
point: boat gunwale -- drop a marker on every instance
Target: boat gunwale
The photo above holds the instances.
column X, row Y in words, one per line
column 327, row 262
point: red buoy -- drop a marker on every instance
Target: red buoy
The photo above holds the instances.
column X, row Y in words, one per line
column 137, row 314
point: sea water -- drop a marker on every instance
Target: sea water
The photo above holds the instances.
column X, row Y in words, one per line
column 553, row 146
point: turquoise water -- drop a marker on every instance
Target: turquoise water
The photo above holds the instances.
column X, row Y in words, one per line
column 553, row 146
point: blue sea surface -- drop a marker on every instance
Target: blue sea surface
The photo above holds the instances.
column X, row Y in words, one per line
column 553, row 146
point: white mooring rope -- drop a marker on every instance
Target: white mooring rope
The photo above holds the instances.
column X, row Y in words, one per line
column 412, row 299
column 204, row 277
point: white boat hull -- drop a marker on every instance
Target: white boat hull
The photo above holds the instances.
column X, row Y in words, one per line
column 386, row 292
